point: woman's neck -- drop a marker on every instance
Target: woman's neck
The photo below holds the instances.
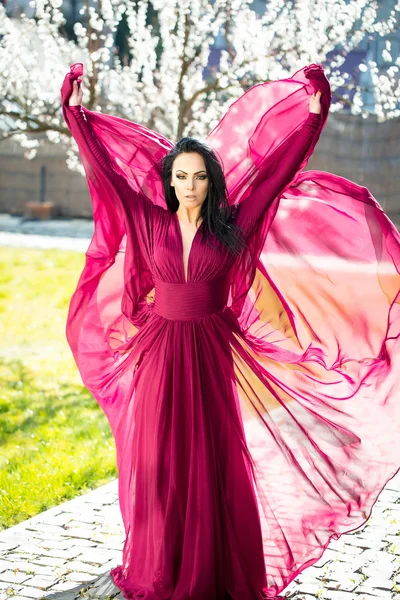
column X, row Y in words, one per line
column 189, row 216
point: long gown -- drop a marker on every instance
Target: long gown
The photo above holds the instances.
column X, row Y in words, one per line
column 254, row 400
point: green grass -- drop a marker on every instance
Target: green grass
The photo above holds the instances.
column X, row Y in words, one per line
column 55, row 440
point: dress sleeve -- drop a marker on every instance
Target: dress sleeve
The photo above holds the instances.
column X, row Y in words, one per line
column 124, row 190
column 129, row 202
column 253, row 207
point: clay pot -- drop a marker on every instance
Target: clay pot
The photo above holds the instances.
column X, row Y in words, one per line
column 39, row 210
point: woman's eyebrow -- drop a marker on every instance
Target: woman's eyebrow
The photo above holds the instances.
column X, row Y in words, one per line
column 202, row 171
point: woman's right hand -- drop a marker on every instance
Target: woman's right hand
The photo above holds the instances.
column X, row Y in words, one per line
column 77, row 94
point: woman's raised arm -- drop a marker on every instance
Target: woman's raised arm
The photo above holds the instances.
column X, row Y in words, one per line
column 98, row 161
column 99, row 151
column 253, row 208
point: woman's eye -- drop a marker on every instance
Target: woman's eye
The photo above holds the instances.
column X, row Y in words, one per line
column 199, row 177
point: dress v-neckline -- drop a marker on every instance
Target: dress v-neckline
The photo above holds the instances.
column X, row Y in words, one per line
column 185, row 277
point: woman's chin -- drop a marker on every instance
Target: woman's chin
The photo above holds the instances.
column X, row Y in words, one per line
column 191, row 203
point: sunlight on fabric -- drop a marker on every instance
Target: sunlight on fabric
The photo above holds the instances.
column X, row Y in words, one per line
column 332, row 263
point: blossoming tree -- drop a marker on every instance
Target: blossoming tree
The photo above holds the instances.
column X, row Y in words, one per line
column 185, row 71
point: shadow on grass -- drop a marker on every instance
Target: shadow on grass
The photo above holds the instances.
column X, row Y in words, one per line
column 25, row 406
column 55, row 440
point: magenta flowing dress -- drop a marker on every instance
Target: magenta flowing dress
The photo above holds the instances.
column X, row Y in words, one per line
column 254, row 404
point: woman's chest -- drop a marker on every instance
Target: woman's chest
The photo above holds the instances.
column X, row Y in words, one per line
column 182, row 254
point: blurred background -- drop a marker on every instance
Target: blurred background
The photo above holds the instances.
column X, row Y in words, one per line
column 174, row 67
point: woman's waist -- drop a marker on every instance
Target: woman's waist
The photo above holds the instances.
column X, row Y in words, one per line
column 190, row 300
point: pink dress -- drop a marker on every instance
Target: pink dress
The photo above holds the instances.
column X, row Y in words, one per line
column 255, row 406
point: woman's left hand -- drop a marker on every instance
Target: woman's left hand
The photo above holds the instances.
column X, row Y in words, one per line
column 315, row 102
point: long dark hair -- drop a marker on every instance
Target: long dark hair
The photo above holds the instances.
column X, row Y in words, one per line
column 216, row 213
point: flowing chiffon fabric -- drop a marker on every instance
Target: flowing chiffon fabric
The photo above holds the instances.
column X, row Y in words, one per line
column 255, row 406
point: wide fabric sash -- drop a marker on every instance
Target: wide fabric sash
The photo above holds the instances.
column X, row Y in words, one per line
column 191, row 300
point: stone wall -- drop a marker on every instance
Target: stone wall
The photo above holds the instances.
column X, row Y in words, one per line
column 365, row 152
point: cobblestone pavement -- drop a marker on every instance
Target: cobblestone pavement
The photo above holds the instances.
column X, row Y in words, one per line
column 66, row 553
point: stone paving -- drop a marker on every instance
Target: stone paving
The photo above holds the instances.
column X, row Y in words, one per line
column 61, row 227
column 66, row 234
column 66, row 553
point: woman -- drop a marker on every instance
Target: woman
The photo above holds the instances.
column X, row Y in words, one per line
column 236, row 394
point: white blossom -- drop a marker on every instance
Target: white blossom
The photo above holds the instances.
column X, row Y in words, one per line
column 163, row 86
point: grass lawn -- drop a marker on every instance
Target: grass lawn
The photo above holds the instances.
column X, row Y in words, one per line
column 55, row 440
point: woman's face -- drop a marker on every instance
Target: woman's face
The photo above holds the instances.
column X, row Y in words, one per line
column 190, row 179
